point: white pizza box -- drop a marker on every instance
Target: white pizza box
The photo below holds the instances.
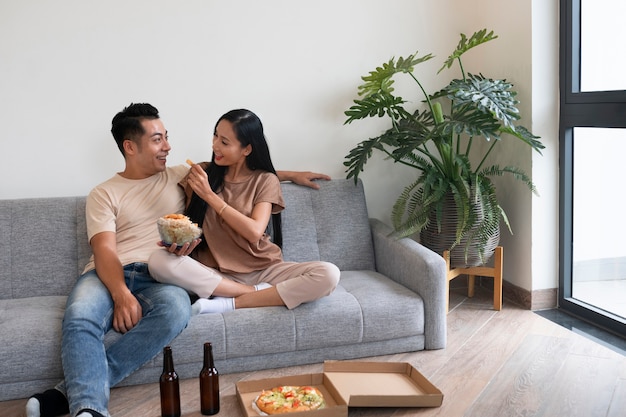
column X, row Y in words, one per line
column 353, row 384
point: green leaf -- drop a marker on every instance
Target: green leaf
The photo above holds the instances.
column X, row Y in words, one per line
column 381, row 104
column 411, row 132
column 522, row 133
column 517, row 173
column 358, row 157
column 409, row 196
column 380, row 80
column 490, row 96
column 473, row 122
column 465, row 44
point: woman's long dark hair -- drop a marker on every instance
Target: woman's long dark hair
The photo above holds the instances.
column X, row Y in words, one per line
column 249, row 131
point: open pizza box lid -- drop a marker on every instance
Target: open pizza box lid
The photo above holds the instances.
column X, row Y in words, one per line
column 353, row 384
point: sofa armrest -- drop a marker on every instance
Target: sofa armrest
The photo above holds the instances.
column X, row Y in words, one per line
column 419, row 269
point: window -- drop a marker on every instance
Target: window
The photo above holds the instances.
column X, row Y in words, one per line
column 602, row 41
column 592, row 150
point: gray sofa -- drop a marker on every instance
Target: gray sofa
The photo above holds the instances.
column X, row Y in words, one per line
column 391, row 297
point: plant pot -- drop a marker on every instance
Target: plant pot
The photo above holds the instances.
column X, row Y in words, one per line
column 466, row 254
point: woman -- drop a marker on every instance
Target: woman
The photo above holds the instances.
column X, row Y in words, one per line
column 232, row 198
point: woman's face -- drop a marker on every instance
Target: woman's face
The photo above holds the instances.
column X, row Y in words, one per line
column 226, row 146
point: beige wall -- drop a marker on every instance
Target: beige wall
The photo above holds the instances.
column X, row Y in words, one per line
column 67, row 66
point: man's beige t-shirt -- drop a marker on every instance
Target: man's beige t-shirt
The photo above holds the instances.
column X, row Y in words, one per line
column 130, row 209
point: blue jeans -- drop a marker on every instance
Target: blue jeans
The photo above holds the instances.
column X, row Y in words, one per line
column 90, row 368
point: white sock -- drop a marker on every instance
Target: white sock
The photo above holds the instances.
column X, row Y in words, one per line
column 32, row 407
column 214, row 305
column 262, row 286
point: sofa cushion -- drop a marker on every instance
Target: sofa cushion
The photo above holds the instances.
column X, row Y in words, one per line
column 31, row 337
column 332, row 225
column 389, row 310
column 366, row 307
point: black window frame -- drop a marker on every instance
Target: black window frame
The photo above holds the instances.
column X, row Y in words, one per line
column 602, row 109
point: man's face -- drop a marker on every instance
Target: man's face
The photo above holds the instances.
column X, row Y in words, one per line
column 149, row 155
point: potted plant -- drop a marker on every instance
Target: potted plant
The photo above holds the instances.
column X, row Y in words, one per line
column 437, row 140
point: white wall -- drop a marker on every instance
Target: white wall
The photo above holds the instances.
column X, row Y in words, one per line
column 545, row 93
column 526, row 54
column 66, row 67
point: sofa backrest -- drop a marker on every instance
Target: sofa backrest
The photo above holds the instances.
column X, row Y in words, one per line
column 330, row 224
column 44, row 240
column 46, row 245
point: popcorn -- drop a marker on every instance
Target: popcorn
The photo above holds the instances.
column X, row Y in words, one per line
column 177, row 228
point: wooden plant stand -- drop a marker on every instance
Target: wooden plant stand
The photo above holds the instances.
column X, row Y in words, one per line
column 484, row 271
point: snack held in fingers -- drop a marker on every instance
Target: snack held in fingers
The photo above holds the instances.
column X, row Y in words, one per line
column 190, row 162
column 177, row 228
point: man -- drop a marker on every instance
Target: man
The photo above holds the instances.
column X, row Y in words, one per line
column 116, row 290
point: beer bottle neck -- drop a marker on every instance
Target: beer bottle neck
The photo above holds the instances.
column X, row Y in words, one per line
column 208, row 355
column 168, row 361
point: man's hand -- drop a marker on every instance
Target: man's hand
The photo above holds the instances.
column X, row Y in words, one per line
column 126, row 312
column 305, row 178
column 183, row 250
column 126, row 309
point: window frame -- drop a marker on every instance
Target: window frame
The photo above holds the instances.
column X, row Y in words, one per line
column 602, row 109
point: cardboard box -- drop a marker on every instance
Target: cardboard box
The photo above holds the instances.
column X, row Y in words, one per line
column 353, row 384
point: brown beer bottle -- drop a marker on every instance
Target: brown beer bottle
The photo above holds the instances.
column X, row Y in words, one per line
column 168, row 385
column 209, row 384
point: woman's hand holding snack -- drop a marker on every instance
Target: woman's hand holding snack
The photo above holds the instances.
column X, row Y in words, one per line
column 199, row 182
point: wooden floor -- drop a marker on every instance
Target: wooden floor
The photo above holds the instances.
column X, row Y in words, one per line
column 507, row 363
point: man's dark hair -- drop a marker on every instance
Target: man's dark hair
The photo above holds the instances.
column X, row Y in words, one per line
column 126, row 125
